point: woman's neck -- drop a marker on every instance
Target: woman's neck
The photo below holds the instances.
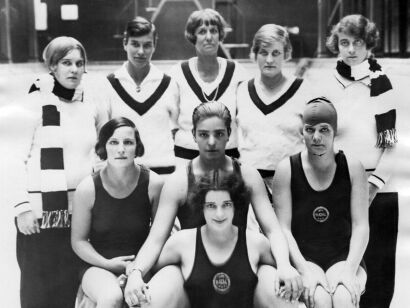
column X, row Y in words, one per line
column 321, row 163
column 272, row 83
column 208, row 67
column 206, row 165
column 138, row 75
column 122, row 176
column 219, row 237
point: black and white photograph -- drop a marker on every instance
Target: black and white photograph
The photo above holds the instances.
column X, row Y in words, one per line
column 204, row 153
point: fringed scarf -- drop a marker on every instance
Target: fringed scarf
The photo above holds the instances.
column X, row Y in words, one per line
column 53, row 182
column 379, row 84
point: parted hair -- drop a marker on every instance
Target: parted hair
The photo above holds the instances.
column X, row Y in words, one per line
column 140, row 26
column 355, row 25
column 269, row 33
column 211, row 109
column 108, row 130
column 232, row 183
column 207, row 17
column 59, row 47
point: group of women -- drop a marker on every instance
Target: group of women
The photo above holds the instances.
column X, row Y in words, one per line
column 221, row 142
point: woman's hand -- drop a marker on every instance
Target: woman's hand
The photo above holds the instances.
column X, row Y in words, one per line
column 27, row 223
column 290, row 283
column 118, row 265
column 136, row 290
column 310, row 281
column 349, row 280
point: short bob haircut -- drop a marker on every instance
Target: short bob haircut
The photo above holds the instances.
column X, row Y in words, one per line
column 232, row 183
column 59, row 47
column 356, row 26
column 211, row 109
column 207, row 17
column 107, row 131
column 267, row 35
column 140, row 26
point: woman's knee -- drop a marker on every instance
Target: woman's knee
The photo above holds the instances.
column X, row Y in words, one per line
column 342, row 297
column 322, row 298
column 167, row 288
column 113, row 298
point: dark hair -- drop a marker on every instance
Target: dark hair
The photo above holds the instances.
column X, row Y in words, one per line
column 211, row 109
column 268, row 34
column 108, row 130
column 232, row 183
column 357, row 26
column 207, row 17
column 140, row 26
column 59, row 47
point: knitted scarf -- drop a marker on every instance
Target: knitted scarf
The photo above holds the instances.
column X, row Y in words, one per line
column 53, row 182
column 379, row 84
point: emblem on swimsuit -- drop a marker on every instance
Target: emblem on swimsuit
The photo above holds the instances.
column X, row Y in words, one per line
column 320, row 214
column 221, row 283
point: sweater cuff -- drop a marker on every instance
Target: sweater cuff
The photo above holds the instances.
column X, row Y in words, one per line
column 377, row 181
column 22, row 207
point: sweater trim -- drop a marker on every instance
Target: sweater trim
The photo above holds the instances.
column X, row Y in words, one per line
column 139, row 107
column 21, row 203
column 285, row 97
column 216, row 93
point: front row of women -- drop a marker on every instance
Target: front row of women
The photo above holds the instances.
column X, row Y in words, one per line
column 321, row 205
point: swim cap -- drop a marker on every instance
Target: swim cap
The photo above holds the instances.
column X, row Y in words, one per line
column 320, row 110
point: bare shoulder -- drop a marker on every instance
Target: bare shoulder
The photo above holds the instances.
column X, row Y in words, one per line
column 155, row 180
column 177, row 181
column 356, row 168
column 257, row 241
column 85, row 192
column 182, row 238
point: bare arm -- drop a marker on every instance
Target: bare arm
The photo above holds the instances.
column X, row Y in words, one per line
column 154, row 191
column 359, row 208
column 172, row 195
column 271, row 228
column 282, row 200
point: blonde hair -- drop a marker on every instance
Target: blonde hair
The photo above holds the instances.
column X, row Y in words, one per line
column 59, row 47
column 269, row 33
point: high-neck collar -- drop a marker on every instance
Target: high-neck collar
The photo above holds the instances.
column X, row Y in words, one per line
column 67, row 94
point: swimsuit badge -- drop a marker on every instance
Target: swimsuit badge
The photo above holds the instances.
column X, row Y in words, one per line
column 221, row 283
column 320, row 214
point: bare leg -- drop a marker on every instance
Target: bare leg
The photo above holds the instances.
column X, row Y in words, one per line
column 102, row 287
column 342, row 296
column 265, row 296
column 167, row 289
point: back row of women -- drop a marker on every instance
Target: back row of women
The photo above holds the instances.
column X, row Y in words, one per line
column 207, row 106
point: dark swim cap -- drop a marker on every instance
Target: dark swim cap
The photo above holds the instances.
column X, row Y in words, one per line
column 320, row 110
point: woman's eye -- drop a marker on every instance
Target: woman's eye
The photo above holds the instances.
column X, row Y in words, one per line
column 113, row 142
column 228, row 204
column 276, row 53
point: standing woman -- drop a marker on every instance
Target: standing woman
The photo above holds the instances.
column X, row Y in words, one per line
column 365, row 101
column 204, row 78
column 321, row 198
column 56, row 134
column 112, row 212
column 210, row 255
column 139, row 91
column 270, row 105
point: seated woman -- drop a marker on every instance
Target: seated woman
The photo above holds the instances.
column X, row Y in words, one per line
column 321, row 199
column 112, row 212
column 210, row 256
column 211, row 132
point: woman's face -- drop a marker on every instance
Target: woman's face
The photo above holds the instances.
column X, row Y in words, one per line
column 70, row 69
column 207, row 40
column 139, row 50
column 211, row 135
column 121, row 147
column 352, row 50
column 270, row 59
column 318, row 138
column 218, row 209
